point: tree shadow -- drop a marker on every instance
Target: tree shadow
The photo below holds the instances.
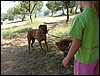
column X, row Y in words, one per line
column 22, row 30
column 15, row 22
column 58, row 15
column 16, row 60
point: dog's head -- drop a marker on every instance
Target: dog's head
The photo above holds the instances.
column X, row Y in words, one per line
column 43, row 29
column 63, row 44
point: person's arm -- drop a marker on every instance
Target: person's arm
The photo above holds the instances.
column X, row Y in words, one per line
column 73, row 49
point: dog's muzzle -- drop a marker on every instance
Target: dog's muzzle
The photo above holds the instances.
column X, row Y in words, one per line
column 45, row 31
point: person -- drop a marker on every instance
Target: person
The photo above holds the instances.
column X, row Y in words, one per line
column 84, row 31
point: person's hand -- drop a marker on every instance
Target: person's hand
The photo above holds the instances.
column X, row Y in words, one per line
column 65, row 62
column 73, row 49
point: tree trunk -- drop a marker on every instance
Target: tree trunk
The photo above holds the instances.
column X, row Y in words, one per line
column 66, row 3
column 30, row 12
column 31, row 18
column 35, row 13
column 67, row 14
column 71, row 10
column 23, row 17
column 81, row 9
column 52, row 12
column 34, row 6
column 76, row 10
column 63, row 11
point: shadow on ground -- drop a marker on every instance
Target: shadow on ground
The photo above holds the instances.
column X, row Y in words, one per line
column 15, row 22
column 16, row 60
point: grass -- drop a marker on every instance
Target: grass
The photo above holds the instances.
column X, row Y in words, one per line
column 61, row 30
column 11, row 32
column 60, row 33
column 50, row 63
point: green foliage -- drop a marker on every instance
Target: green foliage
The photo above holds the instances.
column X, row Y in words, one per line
column 10, row 13
column 23, row 8
column 46, row 12
column 51, row 6
column 10, row 10
column 29, row 5
column 10, row 17
column 55, row 6
column 38, row 7
column 72, row 4
column 18, row 9
column 59, row 5
column 4, row 16
column 60, row 33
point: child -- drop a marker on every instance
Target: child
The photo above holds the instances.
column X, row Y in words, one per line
column 85, row 45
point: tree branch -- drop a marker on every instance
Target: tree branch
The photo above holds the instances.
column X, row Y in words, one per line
column 33, row 7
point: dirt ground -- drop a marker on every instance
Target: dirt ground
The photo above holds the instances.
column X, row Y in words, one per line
column 16, row 60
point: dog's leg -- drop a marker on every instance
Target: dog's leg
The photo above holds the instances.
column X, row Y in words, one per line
column 29, row 41
column 65, row 54
column 32, row 42
column 40, row 45
column 46, row 44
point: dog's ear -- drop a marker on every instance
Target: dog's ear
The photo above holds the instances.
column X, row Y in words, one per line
column 40, row 26
column 56, row 43
column 45, row 26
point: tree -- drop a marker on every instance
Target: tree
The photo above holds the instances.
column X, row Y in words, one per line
column 32, row 5
column 66, row 3
column 4, row 16
column 46, row 12
column 77, row 4
column 29, row 6
column 26, row 7
column 60, row 6
column 10, row 13
column 71, row 5
column 38, row 7
column 17, row 10
column 21, row 10
column 51, row 6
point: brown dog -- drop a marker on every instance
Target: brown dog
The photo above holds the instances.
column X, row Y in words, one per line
column 64, row 45
column 39, row 34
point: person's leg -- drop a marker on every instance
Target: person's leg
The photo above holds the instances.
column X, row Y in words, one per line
column 83, row 69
